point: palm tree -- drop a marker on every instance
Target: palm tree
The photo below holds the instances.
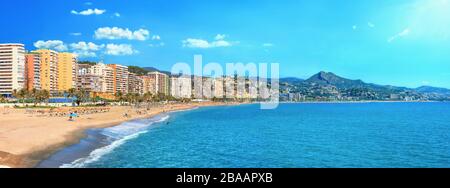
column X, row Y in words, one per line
column 33, row 94
column 71, row 93
column 82, row 96
column 43, row 95
column 148, row 98
column 119, row 97
column 130, row 98
column 21, row 95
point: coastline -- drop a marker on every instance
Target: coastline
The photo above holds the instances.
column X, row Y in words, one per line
column 19, row 149
column 351, row 102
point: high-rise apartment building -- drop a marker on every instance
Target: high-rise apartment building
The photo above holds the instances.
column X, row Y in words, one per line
column 107, row 75
column 120, row 78
column 33, row 71
column 135, row 84
column 67, row 73
column 159, row 83
column 12, row 68
column 49, row 70
column 181, row 87
column 87, row 80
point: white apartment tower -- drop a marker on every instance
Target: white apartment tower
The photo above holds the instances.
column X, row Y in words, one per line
column 107, row 75
column 12, row 68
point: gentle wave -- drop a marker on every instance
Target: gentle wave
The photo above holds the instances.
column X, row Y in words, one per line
column 120, row 135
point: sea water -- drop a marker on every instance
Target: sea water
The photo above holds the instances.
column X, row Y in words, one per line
column 293, row 135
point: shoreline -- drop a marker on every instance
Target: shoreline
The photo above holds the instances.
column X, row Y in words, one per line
column 351, row 102
column 31, row 154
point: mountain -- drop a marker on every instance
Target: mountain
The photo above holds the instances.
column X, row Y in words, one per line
column 291, row 80
column 153, row 69
column 144, row 70
column 328, row 78
column 430, row 89
column 329, row 86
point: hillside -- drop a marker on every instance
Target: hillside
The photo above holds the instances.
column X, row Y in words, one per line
column 329, row 86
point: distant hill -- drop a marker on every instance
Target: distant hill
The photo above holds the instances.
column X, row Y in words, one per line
column 327, row 85
column 328, row 78
column 144, row 70
column 430, row 89
column 152, row 69
column 291, row 80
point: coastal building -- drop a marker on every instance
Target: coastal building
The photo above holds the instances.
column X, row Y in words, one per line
column 32, row 71
column 67, row 63
column 135, row 84
column 230, row 87
column 87, row 80
column 218, row 87
column 107, row 75
column 120, row 78
column 49, row 70
column 197, row 87
column 181, row 87
column 147, row 84
column 12, row 68
column 159, row 83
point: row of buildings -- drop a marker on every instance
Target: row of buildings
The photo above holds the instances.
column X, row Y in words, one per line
column 55, row 72
column 58, row 72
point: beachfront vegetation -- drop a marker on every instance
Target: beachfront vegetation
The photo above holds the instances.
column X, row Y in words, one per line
column 34, row 96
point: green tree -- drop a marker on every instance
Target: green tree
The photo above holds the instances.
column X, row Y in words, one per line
column 43, row 95
column 21, row 94
column 119, row 97
column 2, row 99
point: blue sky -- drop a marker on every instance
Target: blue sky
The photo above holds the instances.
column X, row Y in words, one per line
column 401, row 42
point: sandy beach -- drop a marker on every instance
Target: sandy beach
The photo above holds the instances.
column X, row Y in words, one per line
column 27, row 138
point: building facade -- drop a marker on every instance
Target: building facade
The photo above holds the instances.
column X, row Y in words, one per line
column 135, row 84
column 120, row 78
column 49, row 70
column 32, row 71
column 159, row 83
column 181, row 87
column 12, row 68
column 67, row 73
column 107, row 75
column 87, row 80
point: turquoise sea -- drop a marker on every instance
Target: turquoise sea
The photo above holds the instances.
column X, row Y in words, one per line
column 294, row 135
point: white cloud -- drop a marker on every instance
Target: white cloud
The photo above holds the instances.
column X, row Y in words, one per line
column 75, row 34
column 200, row 43
column 88, row 3
column 117, row 14
column 120, row 33
column 404, row 33
column 370, row 24
column 86, row 46
column 156, row 37
column 51, row 44
column 267, row 44
column 220, row 37
column 120, row 49
column 86, row 49
column 88, row 12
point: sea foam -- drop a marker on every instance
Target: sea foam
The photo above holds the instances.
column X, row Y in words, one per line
column 117, row 136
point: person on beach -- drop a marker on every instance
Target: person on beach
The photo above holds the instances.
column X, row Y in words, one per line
column 72, row 116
